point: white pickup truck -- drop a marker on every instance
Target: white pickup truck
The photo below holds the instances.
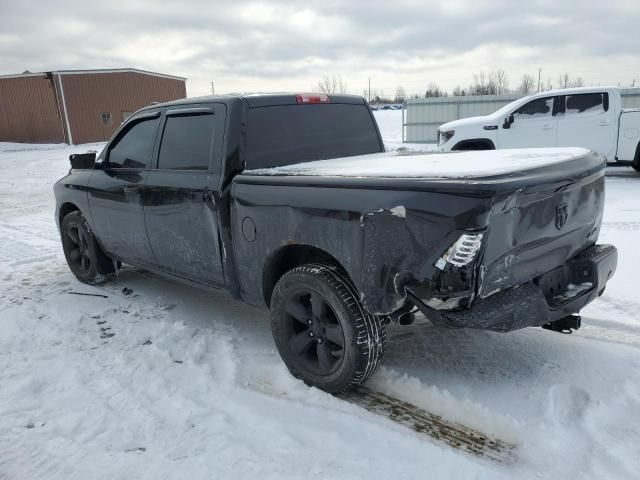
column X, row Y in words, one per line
column 590, row 117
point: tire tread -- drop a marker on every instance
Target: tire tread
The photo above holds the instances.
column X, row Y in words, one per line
column 370, row 329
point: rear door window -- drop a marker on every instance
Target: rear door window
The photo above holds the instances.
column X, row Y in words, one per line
column 186, row 142
column 586, row 103
column 134, row 148
column 540, row 107
column 288, row 134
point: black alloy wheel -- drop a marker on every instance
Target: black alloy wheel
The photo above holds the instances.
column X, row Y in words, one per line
column 84, row 257
column 79, row 249
column 324, row 334
column 314, row 333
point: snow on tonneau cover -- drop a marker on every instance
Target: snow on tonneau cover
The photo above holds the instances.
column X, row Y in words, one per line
column 544, row 204
column 398, row 164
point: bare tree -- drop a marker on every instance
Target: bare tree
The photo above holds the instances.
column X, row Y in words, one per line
column 332, row 84
column 433, row 90
column 400, row 94
column 480, row 85
column 527, row 84
column 458, row 91
column 495, row 82
column 565, row 81
column 499, row 80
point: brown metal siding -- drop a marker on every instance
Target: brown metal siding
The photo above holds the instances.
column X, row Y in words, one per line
column 89, row 95
column 28, row 111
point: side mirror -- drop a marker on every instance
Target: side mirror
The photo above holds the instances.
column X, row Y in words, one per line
column 82, row 161
column 508, row 121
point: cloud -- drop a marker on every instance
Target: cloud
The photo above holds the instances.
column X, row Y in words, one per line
column 280, row 45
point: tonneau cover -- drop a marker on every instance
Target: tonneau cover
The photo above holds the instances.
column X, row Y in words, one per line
column 400, row 164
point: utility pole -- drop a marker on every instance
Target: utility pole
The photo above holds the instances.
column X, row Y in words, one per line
column 369, row 90
column 539, row 73
column 213, row 92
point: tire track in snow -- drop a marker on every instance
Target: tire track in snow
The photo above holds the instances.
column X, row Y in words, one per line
column 612, row 335
column 426, row 424
column 435, row 427
column 625, row 226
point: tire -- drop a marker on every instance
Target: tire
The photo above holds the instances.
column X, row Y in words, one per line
column 323, row 333
column 636, row 159
column 85, row 258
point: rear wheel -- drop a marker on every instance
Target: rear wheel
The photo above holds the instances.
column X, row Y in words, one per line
column 323, row 333
column 84, row 257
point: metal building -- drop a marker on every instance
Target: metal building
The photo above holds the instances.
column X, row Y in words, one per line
column 78, row 106
column 424, row 115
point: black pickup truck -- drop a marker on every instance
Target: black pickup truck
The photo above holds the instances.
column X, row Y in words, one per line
column 290, row 203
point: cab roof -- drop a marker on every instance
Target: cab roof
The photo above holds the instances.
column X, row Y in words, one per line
column 260, row 99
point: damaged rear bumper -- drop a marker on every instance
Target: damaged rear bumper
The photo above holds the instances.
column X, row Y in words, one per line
column 549, row 297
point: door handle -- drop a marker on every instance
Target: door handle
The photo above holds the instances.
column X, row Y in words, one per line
column 130, row 190
column 209, row 197
column 603, row 123
column 547, row 126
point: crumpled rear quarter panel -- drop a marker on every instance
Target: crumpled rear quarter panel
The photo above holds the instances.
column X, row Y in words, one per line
column 374, row 244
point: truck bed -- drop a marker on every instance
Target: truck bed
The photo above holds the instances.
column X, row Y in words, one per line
column 388, row 218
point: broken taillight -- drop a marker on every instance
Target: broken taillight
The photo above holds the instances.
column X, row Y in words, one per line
column 462, row 252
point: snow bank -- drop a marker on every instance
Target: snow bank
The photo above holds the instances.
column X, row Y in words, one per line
column 430, row 165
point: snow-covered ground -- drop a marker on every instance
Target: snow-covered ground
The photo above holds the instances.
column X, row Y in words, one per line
column 173, row 382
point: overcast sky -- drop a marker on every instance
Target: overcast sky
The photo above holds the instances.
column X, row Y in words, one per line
column 279, row 45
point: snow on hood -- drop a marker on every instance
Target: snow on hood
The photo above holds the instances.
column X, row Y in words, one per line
column 453, row 124
column 430, row 164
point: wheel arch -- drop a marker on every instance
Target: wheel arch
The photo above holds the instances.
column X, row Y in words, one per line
column 65, row 209
column 291, row 256
column 475, row 144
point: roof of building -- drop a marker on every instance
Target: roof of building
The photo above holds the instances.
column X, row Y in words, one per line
column 83, row 72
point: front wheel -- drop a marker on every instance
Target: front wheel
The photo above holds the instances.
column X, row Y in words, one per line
column 636, row 159
column 84, row 257
column 322, row 331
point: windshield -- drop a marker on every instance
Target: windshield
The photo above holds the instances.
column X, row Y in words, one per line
column 509, row 108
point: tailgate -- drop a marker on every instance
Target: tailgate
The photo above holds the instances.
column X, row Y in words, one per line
column 540, row 226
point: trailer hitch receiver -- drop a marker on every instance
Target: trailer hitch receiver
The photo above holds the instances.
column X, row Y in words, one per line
column 564, row 325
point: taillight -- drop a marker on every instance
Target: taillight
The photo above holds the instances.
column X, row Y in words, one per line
column 312, row 98
column 462, row 252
